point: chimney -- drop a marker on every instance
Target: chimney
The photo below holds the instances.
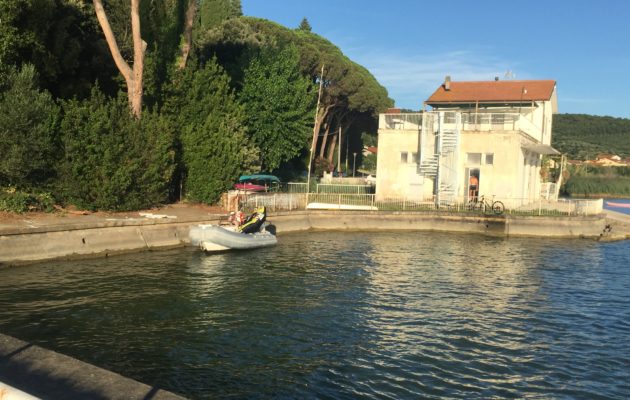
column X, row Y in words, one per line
column 447, row 82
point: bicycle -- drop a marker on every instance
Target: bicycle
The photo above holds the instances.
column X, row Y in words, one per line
column 483, row 205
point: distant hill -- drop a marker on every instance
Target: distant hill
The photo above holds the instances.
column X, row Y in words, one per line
column 583, row 136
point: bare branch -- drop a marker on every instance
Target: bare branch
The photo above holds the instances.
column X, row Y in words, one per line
column 122, row 65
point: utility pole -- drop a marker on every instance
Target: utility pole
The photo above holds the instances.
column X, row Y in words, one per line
column 339, row 154
column 347, row 147
column 315, row 133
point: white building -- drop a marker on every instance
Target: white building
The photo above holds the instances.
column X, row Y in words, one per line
column 494, row 131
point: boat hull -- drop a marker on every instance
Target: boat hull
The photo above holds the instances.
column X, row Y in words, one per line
column 217, row 238
column 620, row 205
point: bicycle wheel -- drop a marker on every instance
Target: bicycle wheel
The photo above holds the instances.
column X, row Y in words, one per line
column 498, row 208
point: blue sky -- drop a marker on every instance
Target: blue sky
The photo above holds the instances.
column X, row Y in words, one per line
column 409, row 46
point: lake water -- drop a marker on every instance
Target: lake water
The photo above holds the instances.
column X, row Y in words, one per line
column 344, row 316
column 623, row 210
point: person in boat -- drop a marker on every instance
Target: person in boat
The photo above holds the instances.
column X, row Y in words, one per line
column 236, row 218
column 254, row 222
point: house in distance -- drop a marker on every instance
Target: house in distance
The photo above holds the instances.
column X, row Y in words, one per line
column 473, row 138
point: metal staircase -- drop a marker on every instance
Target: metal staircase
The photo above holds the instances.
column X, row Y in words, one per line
column 429, row 166
column 439, row 152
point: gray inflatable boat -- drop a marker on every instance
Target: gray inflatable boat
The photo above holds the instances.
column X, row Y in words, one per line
column 212, row 238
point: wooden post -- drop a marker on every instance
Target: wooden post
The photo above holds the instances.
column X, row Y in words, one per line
column 315, row 133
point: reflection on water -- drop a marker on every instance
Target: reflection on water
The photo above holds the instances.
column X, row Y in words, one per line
column 344, row 315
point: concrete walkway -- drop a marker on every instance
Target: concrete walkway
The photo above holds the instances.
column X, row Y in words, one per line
column 63, row 221
column 37, row 237
column 28, row 371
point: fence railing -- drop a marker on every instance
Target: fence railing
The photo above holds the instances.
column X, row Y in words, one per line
column 401, row 121
column 346, row 189
column 364, row 202
column 297, row 187
column 500, row 122
column 470, row 122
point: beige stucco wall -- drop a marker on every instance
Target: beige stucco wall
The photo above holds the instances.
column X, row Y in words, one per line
column 513, row 175
column 393, row 177
column 540, row 115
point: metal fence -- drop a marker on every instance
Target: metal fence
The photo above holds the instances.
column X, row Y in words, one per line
column 369, row 202
column 401, row 121
column 344, row 189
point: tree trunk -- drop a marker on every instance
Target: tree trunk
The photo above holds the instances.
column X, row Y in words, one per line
column 133, row 77
column 345, row 122
column 323, row 113
column 188, row 28
column 331, row 148
column 322, row 148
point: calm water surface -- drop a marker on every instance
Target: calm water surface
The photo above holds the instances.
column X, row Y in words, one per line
column 622, row 210
column 344, row 315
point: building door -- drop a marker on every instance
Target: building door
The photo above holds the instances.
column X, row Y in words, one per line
column 473, row 179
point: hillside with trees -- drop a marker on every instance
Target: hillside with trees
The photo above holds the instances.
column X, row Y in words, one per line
column 582, row 136
column 129, row 104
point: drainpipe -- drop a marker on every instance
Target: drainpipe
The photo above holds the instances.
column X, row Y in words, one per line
column 476, row 115
column 438, row 152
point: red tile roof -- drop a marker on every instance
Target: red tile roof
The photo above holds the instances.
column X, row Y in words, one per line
column 493, row 91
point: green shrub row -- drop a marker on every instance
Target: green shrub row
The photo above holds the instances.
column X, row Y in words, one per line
column 17, row 201
column 93, row 154
column 597, row 185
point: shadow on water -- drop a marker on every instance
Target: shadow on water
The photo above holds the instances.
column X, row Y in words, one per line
column 343, row 315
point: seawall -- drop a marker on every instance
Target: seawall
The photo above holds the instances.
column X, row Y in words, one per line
column 32, row 370
column 89, row 240
column 504, row 225
column 109, row 237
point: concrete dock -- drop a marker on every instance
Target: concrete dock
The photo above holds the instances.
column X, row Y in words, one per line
column 28, row 371
column 25, row 239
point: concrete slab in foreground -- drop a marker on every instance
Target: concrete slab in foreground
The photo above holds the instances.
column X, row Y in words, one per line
column 49, row 375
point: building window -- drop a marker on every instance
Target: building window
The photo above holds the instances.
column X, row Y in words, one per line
column 489, row 158
column 404, row 157
column 414, row 157
column 473, row 158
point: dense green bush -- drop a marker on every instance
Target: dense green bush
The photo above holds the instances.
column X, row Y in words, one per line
column 597, row 185
column 111, row 160
column 28, row 131
column 13, row 200
column 215, row 149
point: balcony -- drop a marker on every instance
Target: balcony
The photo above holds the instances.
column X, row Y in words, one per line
column 470, row 121
column 500, row 122
column 400, row 121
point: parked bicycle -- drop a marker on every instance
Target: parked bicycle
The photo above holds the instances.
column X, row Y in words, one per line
column 487, row 207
